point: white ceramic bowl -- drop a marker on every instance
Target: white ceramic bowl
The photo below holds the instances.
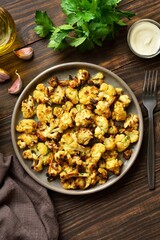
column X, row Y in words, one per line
column 146, row 38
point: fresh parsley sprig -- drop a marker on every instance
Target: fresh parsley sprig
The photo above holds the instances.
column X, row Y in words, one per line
column 88, row 23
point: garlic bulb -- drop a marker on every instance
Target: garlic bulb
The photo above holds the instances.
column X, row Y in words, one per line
column 24, row 53
column 4, row 75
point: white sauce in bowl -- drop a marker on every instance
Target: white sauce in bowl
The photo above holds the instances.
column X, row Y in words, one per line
column 144, row 38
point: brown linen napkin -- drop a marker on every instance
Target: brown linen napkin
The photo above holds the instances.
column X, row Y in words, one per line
column 26, row 210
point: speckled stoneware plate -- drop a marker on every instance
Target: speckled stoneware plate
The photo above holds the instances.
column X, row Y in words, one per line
column 62, row 72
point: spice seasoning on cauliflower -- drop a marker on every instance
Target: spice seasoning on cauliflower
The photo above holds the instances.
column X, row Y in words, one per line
column 78, row 129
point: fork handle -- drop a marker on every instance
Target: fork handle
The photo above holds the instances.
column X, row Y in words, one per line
column 150, row 153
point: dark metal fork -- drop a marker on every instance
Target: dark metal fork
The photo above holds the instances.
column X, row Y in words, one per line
column 149, row 100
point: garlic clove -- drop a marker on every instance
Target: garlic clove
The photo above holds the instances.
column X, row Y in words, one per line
column 24, row 53
column 4, row 75
column 16, row 86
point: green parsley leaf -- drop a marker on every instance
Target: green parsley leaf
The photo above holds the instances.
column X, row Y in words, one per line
column 44, row 24
column 87, row 24
column 77, row 41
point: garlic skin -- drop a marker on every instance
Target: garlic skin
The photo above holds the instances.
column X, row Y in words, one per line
column 16, row 86
column 4, row 75
column 24, row 53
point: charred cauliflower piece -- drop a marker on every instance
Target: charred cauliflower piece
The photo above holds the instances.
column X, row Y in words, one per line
column 58, row 112
column 44, row 113
column 101, row 126
column 119, row 113
column 84, row 135
column 26, row 126
column 58, row 95
column 54, row 170
column 70, row 144
column 39, row 94
column 27, row 140
column 65, row 121
column 82, row 76
column 97, row 79
column 67, row 106
column 132, row 121
column 133, row 135
column 72, row 95
column 114, row 165
column 48, row 130
column 96, row 152
column 113, row 129
column 88, row 95
column 125, row 99
column 83, row 117
column 102, row 108
column 122, row 142
column 110, row 143
column 28, row 107
column 107, row 92
column 40, row 155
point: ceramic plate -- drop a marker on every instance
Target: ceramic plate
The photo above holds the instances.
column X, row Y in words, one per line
column 62, row 72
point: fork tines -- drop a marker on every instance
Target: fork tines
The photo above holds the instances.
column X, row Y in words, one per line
column 150, row 82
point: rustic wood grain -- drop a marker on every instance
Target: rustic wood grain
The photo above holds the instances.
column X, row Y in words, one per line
column 127, row 210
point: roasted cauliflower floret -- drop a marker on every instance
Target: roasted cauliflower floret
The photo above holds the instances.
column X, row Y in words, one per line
column 58, row 112
column 74, row 183
column 97, row 79
column 132, row 121
column 44, row 113
column 84, row 135
column 107, row 92
column 26, row 125
column 102, row 175
column 119, row 113
column 110, row 143
column 58, row 95
column 72, row 82
column 101, row 126
column 96, row 152
column 82, row 76
column 122, row 142
column 88, row 95
column 48, row 130
column 102, row 108
column 39, row 94
column 65, row 121
column 125, row 99
column 28, row 107
column 67, row 106
column 119, row 91
column 40, row 155
column 114, row 165
column 133, row 135
column 70, row 144
column 84, row 117
column 72, row 95
column 113, row 129
column 27, row 140
column 53, row 170
column 69, row 172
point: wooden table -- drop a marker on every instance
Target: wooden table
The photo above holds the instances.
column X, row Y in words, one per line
column 127, row 210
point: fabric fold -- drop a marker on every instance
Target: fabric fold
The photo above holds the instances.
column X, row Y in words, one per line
column 26, row 210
